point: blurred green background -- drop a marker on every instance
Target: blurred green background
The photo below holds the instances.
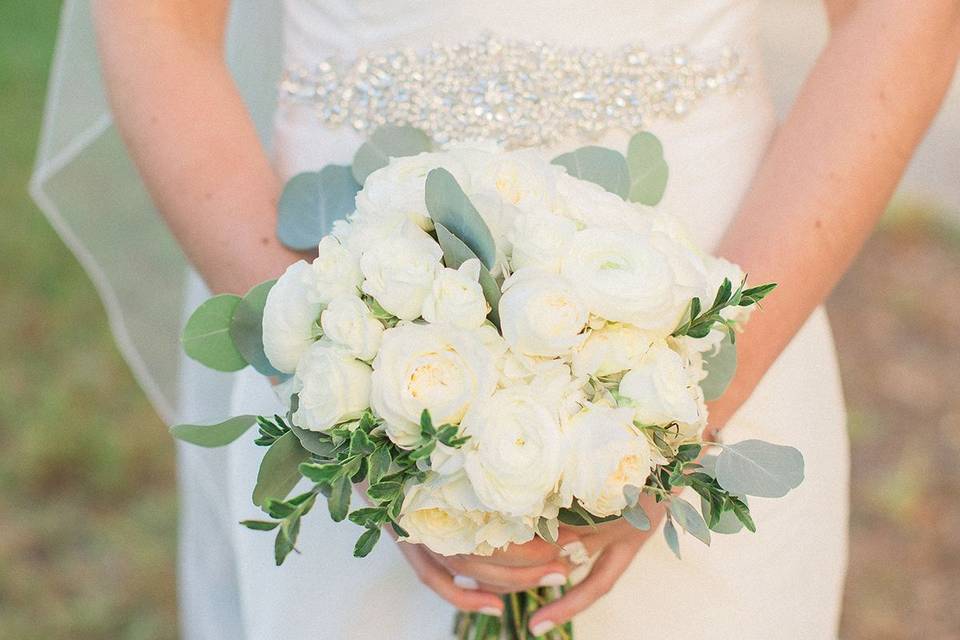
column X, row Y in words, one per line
column 87, row 504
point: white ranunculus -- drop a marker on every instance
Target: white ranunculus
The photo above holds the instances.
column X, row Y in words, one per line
column 540, row 240
column 334, row 386
column 336, row 271
column 456, row 297
column 717, row 269
column 432, row 515
column 607, row 453
column 611, row 349
column 289, row 317
column 590, row 205
column 399, row 272
column 625, row 276
column 522, row 178
column 425, row 366
column 661, row 388
column 515, row 452
column 541, row 314
column 347, row 321
column 395, row 193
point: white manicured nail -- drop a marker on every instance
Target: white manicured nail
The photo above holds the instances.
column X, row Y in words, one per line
column 491, row 611
column 542, row 628
column 466, row 582
column 553, row 580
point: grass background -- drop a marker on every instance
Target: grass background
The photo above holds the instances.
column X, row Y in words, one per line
column 87, row 504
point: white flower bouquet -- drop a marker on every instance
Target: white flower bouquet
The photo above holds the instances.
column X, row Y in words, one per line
column 490, row 344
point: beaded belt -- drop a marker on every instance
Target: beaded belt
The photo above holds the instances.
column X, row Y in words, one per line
column 520, row 94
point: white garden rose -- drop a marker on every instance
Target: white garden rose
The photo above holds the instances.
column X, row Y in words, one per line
column 336, row 271
column 590, row 205
column 347, row 321
column 611, row 349
column 540, row 240
column 456, row 297
column 515, row 452
column 625, row 276
column 607, row 453
column 426, row 366
column 541, row 314
column 522, row 178
column 334, row 386
column 395, row 193
column 399, row 272
column 289, row 316
column 661, row 389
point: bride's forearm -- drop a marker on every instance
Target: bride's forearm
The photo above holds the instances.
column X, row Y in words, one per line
column 834, row 164
column 191, row 137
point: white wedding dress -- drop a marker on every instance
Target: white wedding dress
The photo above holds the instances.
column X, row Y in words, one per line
column 783, row 582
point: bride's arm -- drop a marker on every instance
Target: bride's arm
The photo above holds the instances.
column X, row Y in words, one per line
column 834, row 164
column 191, row 137
column 825, row 179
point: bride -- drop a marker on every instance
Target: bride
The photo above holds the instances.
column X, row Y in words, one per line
column 791, row 204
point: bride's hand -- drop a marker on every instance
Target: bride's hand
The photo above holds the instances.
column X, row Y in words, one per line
column 616, row 543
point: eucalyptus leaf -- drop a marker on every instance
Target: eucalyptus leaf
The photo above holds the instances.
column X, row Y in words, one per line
column 388, row 142
column 758, row 468
column 206, row 336
column 246, row 328
column 279, row 470
column 449, row 206
column 455, row 253
column 648, row 169
column 728, row 524
column 602, row 166
column 637, row 517
column 690, row 519
column 213, row 435
column 673, row 540
column 720, row 367
column 311, row 202
column 313, row 441
column 548, row 529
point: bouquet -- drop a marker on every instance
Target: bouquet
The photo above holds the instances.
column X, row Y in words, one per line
column 490, row 344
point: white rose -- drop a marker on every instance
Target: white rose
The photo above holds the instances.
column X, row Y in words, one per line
column 336, row 271
column 540, row 314
column 399, row 272
column 289, row 317
column 540, row 240
column 348, row 322
column 662, row 389
column 334, row 386
column 395, row 193
column 610, row 349
column 607, row 453
column 515, row 452
column 434, row 367
column 625, row 276
column 456, row 297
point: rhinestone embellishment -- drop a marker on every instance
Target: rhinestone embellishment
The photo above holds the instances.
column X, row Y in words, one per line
column 520, row 94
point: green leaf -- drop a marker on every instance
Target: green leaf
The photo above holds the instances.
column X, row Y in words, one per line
column 577, row 516
column 720, row 367
column 339, row 500
column 758, row 468
column 547, row 528
column 279, row 470
column 206, row 337
column 383, row 491
column 368, row 516
column 648, row 169
column 449, row 206
column 259, row 525
column 320, row 473
column 282, row 546
column 742, row 511
column 690, row 519
column 313, row 441
column 670, row 535
column 378, row 463
column 756, row 294
column 385, row 143
column 427, row 430
column 214, row 435
column 365, row 543
column 278, row 508
column 602, row 166
column 311, row 202
column 637, row 517
column 246, row 328
column 424, row 451
column 455, row 253
column 728, row 522
column 360, row 443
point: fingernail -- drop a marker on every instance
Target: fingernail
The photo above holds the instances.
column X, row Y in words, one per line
column 491, row 611
column 553, row 580
column 542, row 628
column 466, row 582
